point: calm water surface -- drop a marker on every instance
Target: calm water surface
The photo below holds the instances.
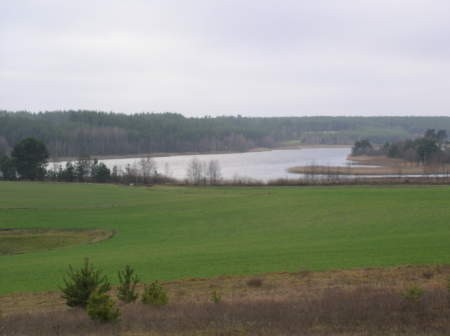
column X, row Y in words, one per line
column 256, row 165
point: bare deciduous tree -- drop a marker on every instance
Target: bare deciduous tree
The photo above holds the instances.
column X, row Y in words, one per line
column 213, row 172
column 131, row 173
column 147, row 167
column 199, row 172
column 195, row 171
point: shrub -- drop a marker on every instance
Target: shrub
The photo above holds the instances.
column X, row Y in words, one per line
column 255, row 282
column 127, row 288
column 427, row 274
column 154, row 294
column 413, row 294
column 100, row 307
column 80, row 284
column 216, row 297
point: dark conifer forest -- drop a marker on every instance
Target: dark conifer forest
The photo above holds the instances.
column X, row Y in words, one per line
column 76, row 133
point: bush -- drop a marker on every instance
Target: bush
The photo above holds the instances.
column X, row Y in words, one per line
column 154, row 294
column 127, row 288
column 100, row 307
column 413, row 294
column 216, row 297
column 80, row 284
column 255, row 282
column 427, row 274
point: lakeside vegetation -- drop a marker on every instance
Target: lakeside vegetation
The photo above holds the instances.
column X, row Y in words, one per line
column 426, row 155
column 28, row 161
column 429, row 149
column 382, row 173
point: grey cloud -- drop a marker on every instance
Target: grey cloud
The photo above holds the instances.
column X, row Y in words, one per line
column 202, row 57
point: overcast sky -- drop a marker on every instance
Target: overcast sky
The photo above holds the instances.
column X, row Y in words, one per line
column 227, row 57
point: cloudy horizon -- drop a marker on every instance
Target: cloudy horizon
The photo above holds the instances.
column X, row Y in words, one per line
column 254, row 58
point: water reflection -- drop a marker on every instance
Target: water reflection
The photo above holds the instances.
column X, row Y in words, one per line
column 256, row 165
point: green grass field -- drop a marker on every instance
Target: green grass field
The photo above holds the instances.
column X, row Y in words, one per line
column 183, row 232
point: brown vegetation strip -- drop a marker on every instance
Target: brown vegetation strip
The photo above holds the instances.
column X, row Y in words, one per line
column 336, row 311
column 352, row 302
column 16, row 241
column 385, row 166
column 351, row 170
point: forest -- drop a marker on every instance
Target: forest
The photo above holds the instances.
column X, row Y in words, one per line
column 81, row 133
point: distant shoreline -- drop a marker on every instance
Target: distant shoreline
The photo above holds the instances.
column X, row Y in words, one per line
column 378, row 166
column 155, row 155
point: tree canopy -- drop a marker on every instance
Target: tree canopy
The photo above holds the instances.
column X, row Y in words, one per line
column 30, row 158
column 428, row 149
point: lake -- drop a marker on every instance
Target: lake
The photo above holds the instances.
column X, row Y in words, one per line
column 264, row 165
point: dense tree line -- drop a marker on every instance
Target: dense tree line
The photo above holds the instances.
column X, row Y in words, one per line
column 80, row 133
column 431, row 148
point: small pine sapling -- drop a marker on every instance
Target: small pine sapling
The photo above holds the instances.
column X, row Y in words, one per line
column 80, row 284
column 127, row 285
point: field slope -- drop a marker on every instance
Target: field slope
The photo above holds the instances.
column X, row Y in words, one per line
column 180, row 232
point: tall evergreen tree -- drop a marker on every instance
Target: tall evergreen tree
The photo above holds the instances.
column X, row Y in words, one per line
column 30, row 158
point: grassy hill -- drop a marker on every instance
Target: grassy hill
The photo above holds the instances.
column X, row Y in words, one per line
column 183, row 232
